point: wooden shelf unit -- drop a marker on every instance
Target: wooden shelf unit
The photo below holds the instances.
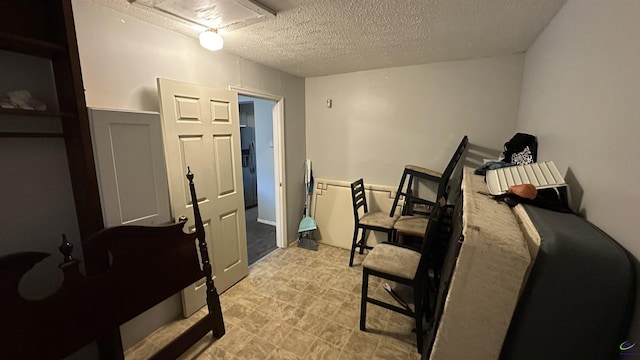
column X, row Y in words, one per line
column 30, row 46
column 31, row 113
column 45, row 29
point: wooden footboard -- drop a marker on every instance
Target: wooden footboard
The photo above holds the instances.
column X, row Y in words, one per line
column 132, row 268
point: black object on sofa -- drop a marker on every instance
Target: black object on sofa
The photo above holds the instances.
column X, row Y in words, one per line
column 578, row 300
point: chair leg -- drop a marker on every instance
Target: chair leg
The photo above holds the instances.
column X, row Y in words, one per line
column 363, row 241
column 353, row 245
column 363, row 299
column 427, row 305
column 397, row 198
column 418, row 298
column 390, row 236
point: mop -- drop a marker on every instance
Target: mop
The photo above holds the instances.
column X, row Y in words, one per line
column 307, row 224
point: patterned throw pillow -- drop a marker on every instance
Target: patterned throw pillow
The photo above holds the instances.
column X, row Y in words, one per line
column 523, row 157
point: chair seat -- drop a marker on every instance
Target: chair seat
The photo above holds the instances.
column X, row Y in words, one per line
column 423, row 170
column 414, row 225
column 378, row 219
column 393, row 260
column 369, row 221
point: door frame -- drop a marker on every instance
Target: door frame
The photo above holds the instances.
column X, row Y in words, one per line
column 278, row 158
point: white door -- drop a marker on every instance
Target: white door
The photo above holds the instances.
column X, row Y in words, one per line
column 201, row 131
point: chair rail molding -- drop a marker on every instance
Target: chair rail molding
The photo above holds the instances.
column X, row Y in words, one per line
column 332, row 210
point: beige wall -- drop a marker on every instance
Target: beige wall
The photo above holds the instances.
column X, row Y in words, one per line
column 381, row 120
column 581, row 98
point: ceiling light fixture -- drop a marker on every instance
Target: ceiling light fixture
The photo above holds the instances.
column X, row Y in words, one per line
column 211, row 40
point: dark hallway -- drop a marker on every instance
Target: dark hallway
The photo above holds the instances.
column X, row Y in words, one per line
column 261, row 238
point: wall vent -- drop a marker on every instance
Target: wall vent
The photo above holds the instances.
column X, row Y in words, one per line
column 224, row 15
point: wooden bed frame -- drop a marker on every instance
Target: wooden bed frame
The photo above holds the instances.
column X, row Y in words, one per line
column 148, row 264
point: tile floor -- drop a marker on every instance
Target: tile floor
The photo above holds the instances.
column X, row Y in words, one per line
column 298, row 304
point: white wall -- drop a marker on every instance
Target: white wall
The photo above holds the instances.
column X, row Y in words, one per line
column 121, row 57
column 263, row 110
column 261, row 119
column 381, row 120
column 581, row 98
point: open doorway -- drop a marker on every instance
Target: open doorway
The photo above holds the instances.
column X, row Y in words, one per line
column 258, row 174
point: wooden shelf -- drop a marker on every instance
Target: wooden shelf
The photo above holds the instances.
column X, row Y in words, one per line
column 45, row 113
column 30, row 135
column 45, row 29
column 29, row 46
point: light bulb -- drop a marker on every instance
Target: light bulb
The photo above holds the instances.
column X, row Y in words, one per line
column 211, row 40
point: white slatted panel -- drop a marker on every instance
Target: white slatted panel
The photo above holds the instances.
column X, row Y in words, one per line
column 543, row 175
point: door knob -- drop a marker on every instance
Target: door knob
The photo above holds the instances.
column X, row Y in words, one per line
column 182, row 218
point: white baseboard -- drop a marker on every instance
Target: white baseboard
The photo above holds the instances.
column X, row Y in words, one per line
column 266, row 222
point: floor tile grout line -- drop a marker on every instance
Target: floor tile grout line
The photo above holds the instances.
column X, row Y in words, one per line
column 270, row 270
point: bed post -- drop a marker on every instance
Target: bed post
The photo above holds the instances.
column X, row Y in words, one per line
column 213, row 300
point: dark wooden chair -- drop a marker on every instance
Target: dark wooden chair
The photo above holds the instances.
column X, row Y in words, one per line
column 407, row 266
column 367, row 220
column 415, row 211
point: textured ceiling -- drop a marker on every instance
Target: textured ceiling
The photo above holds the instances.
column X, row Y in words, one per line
column 322, row 37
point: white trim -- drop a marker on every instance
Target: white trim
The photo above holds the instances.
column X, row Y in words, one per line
column 279, row 170
column 278, row 159
column 255, row 93
column 266, row 222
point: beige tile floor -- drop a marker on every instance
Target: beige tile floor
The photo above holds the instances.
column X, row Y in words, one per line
column 298, row 304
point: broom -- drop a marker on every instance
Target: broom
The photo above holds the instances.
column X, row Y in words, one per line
column 307, row 225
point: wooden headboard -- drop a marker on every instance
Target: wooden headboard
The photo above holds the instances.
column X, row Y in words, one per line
column 132, row 268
